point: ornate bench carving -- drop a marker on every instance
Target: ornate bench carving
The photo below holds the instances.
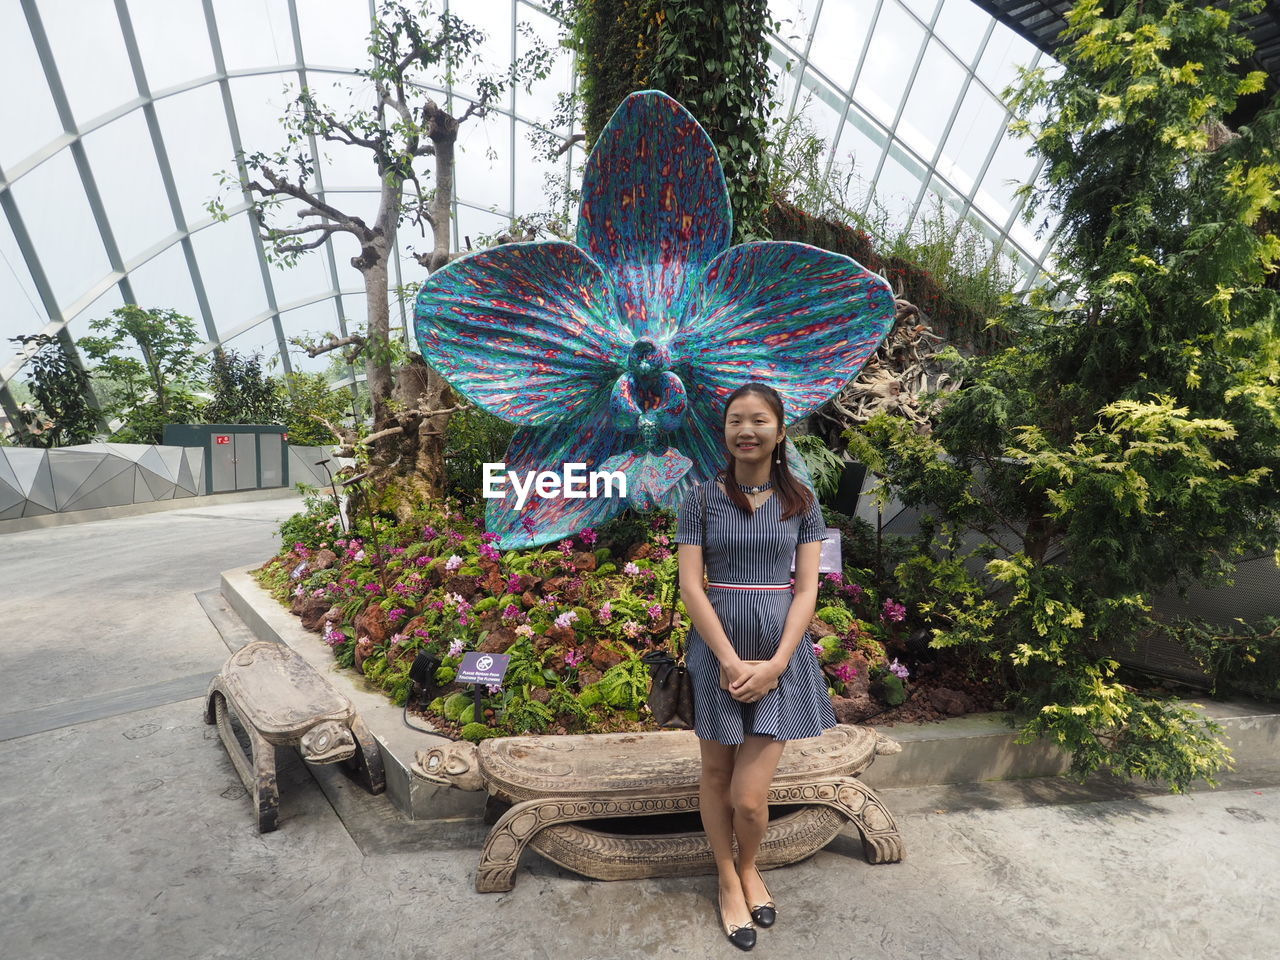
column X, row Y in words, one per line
column 555, row 785
column 281, row 700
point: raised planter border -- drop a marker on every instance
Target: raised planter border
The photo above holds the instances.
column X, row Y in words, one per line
column 968, row 749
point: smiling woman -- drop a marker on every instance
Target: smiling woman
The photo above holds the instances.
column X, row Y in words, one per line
column 757, row 682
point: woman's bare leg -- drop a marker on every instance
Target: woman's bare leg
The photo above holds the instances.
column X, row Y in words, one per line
column 753, row 771
column 718, row 820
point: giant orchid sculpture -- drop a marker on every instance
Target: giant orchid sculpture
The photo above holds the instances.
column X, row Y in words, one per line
column 617, row 353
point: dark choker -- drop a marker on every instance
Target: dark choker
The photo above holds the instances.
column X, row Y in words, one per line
column 767, row 485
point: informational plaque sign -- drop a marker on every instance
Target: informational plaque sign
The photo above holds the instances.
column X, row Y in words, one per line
column 829, row 561
column 483, row 667
column 222, row 438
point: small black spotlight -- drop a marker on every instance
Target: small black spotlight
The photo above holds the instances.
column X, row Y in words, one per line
column 423, row 675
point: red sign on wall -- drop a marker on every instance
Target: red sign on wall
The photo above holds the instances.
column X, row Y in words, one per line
column 222, row 438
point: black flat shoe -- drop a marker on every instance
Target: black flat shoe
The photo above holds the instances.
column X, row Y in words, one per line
column 765, row 913
column 743, row 937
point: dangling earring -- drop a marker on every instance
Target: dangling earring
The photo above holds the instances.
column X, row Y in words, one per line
column 781, row 441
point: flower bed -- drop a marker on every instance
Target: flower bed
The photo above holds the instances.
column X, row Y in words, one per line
column 576, row 618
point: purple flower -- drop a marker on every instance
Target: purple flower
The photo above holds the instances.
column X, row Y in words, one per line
column 396, row 614
column 606, row 612
column 654, row 610
column 436, row 604
column 631, row 629
column 566, row 546
column 371, row 588
column 495, row 687
column 898, row 670
column 588, row 536
column 453, row 563
column 422, row 561
column 456, row 648
column 489, row 553
column 429, row 532
column 630, row 567
column 511, row 612
column 854, row 590
column 574, row 657
column 490, row 537
column 817, row 649
column 846, row 672
column 833, row 578
column 894, row 611
column 335, row 637
column 565, row 619
column 513, row 582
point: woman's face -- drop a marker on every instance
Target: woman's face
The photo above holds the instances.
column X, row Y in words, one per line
column 751, row 430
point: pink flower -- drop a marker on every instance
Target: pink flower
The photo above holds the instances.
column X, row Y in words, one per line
column 524, row 630
column 429, row 532
column 606, row 612
column 660, row 553
column 898, row 670
column 513, row 582
column 489, row 553
column 436, row 604
column 663, row 539
column 396, row 614
column 631, row 629
column 565, row 619
column 630, row 567
column 574, row 657
column 854, row 590
column 511, row 612
column 566, row 546
column 371, row 588
column 894, row 611
column 453, row 563
column 456, row 648
column 654, row 610
column 490, row 537
column 817, row 649
column 846, row 672
column 588, row 536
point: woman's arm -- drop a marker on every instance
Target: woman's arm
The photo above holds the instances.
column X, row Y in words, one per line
column 701, row 612
column 803, row 602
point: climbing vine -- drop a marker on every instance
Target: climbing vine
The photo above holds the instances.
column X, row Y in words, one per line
column 711, row 55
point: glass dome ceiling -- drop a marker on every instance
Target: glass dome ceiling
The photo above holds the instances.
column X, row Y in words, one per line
column 120, row 116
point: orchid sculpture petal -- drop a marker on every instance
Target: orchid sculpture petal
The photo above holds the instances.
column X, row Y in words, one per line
column 618, row 353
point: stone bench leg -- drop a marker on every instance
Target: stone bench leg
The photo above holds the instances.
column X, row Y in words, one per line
column 517, row 826
column 500, row 857
column 881, row 842
column 258, row 771
column 367, row 762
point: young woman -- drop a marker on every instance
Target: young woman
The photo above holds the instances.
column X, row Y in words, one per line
column 758, row 517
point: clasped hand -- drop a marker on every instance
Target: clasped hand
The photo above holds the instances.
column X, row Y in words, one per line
column 753, row 681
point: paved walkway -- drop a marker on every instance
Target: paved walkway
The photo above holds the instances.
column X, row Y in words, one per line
column 124, row 832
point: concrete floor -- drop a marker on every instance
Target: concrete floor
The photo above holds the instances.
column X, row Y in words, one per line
column 125, row 833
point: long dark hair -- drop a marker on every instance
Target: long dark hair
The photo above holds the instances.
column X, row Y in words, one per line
column 796, row 497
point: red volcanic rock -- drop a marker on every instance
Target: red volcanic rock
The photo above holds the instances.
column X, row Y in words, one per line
column 603, row 656
column 584, row 561
column 529, row 600
column 372, row 622
column 589, row 675
column 498, row 641
column 859, row 686
column 313, row 612
column 462, row 586
column 638, row 551
column 363, row 651
column 820, row 628
column 541, row 694
column 952, row 702
column 324, row 560
column 561, row 634
column 853, row 709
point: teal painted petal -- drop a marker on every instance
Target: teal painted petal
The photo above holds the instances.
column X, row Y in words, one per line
column 655, row 210
column 650, row 476
column 590, row 442
column 801, row 319
column 528, row 331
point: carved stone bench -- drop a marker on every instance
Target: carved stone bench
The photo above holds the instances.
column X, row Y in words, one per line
column 281, row 700
column 555, row 785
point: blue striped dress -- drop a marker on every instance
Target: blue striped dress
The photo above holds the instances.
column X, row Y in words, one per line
column 754, row 549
